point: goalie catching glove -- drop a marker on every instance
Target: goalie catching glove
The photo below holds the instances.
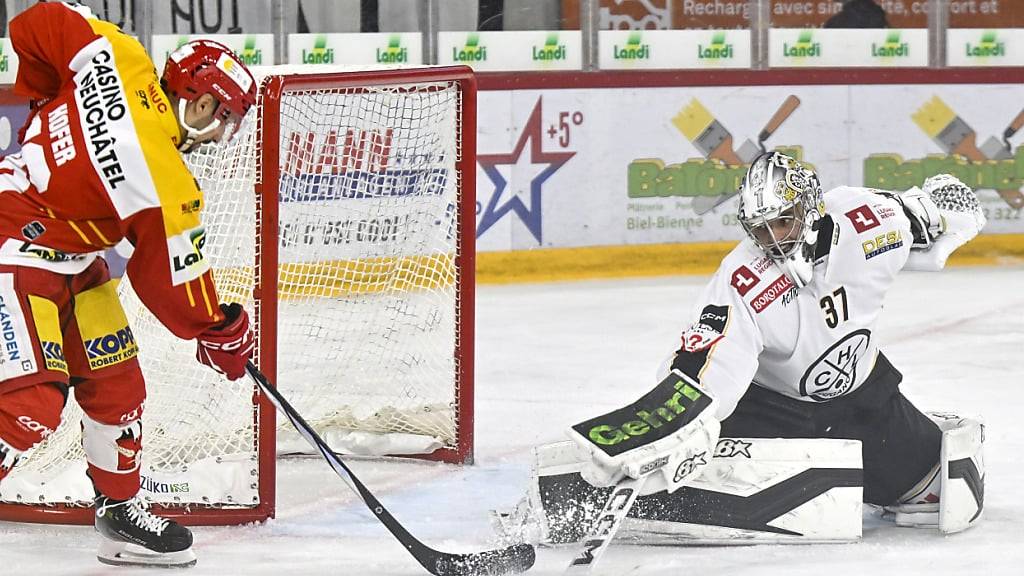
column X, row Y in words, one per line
column 944, row 215
column 671, row 430
column 228, row 346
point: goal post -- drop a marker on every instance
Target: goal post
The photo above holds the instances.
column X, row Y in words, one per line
column 342, row 216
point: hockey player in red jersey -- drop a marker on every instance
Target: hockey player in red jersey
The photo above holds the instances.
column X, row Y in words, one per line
column 779, row 415
column 100, row 161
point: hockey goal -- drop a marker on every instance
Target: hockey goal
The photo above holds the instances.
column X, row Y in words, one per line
column 342, row 216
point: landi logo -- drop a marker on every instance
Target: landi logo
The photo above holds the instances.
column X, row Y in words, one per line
column 805, row 46
column 472, row 51
column 892, row 48
column 992, row 166
column 551, row 50
column 634, row 49
column 395, row 53
column 717, row 50
column 320, row 54
column 251, row 55
column 989, row 46
column 4, row 60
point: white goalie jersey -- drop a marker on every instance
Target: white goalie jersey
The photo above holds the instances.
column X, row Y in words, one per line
column 816, row 343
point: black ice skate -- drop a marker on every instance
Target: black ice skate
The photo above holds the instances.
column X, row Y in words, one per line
column 133, row 536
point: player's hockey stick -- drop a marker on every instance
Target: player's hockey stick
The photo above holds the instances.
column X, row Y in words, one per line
column 607, row 523
column 510, row 560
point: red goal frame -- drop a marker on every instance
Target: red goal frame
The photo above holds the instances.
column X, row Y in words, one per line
column 265, row 292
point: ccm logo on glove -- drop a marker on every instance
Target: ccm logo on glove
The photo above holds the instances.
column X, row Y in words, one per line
column 227, row 347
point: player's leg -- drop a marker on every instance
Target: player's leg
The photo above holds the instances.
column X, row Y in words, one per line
column 951, row 495
column 33, row 372
column 109, row 387
column 757, row 487
column 27, row 416
column 909, row 457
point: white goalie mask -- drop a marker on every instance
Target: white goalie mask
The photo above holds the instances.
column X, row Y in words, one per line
column 780, row 206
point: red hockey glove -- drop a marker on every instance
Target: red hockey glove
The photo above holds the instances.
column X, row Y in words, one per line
column 226, row 348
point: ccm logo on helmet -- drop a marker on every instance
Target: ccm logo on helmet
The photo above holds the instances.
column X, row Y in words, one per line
column 32, row 426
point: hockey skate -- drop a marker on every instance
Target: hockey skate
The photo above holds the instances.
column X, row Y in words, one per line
column 133, row 536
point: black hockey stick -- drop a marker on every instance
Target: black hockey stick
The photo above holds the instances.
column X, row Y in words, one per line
column 510, row 560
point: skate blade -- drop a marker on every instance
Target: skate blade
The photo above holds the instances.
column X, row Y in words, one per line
column 125, row 554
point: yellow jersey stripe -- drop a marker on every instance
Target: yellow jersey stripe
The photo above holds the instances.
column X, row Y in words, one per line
column 80, row 233
column 188, row 290
column 100, row 234
column 206, row 297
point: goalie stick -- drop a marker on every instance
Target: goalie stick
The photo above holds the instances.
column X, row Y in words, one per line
column 607, row 523
column 509, row 560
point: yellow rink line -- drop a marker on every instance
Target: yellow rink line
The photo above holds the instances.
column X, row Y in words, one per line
column 562, row 264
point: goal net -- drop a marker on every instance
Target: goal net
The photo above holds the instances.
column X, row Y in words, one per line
column 342, row 217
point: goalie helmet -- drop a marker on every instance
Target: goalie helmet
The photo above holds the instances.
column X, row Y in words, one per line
column 207, row 67
column 781, row 204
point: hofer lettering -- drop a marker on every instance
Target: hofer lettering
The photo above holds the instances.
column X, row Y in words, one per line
column 780, row 286
column 61, row 143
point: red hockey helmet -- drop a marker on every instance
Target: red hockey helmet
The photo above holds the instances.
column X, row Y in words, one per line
column 207, row 67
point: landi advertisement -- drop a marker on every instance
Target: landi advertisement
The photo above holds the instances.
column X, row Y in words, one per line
column 595, row 167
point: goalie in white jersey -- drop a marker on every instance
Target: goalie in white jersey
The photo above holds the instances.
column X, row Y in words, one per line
column 783, row 346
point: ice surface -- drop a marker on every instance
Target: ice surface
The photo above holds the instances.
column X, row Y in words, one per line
column 550, row 355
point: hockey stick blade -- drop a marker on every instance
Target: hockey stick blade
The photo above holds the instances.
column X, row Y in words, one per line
column 509, row 560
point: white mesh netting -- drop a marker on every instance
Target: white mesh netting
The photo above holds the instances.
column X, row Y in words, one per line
column 367, row 305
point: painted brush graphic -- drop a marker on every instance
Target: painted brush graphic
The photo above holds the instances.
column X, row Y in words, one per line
column 955, row 136
column 706, row 133
column 999, row 149
column 714, row 141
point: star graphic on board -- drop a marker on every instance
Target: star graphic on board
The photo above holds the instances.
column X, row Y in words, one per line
column 518, row 178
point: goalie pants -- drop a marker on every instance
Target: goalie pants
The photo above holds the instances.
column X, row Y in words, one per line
column 60, row 331
column 900, row 444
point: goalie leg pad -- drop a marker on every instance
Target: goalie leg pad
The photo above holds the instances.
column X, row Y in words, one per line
column 958, row 481
column 752, row 490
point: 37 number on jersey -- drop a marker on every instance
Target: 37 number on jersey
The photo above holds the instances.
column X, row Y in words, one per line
column 832, row 313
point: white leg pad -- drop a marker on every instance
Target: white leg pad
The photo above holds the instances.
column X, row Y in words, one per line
column 754, row 490
column 961, row 479
column 962, row 496
column 768, row 490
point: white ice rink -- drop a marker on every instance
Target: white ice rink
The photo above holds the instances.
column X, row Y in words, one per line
column 550, row 355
